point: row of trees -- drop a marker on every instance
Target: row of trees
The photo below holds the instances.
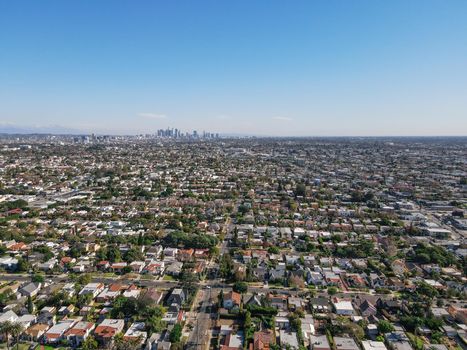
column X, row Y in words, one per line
column 183, row 239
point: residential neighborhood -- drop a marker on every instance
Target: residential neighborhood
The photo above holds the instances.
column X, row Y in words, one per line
column 156, row 242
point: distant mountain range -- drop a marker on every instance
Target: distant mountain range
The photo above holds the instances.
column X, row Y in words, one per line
column 52, row 129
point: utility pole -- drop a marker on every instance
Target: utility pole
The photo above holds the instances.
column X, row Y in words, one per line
column 197, row 333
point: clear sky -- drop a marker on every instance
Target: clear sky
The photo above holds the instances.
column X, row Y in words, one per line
column 236, row 66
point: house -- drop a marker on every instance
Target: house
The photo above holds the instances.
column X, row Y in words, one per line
column 278, row 273
column 158, row 342
column 308, row 327
column 55, row 333
column 107, row 294
column 450, row 331
column 373, row 345
column 48, row 265
column 8, row 263
column 30, row 289
column 176, row 297
column 252, row 300
column 260, row 273
column 136, row 332
column 262, row 339
column 320, row 305
column 47, row 315
column 296, row 303
column 392, row 306
column 288, row 339
column 315, row 278
column 231, row 300
column 118, row 267
column 460, row 314
column 343, row 307
column 171, row 252
column 153, row 295
column 185, row 254
column 174, row 269
column 92, row 288
column 132, row 292
column 376, row 281
column 232, row 341
column 154, row 252
column 398, row 340
column 77, row 334
column 107, row 330
column 399, row 267
column 35, row 332
column 345, row 343
column 137, row 266
column 367, row 309
column 66, row 310
column 103, row 265
column 8, row 316
column 282, row 321
column 69, row 289
column 278, row 301
column 158, row 268
column 26, row 320
column 13, row 287
column 319, row 342
column 174, row 315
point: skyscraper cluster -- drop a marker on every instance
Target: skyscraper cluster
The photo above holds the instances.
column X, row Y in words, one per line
column 178, row 134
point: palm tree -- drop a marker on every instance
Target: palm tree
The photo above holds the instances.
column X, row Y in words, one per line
column 16, row 329
column 5, row 330
column 8, row 328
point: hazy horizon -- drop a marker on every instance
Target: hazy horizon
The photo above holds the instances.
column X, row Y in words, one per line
column 263, row 68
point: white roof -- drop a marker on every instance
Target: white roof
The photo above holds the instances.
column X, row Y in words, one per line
column 343, row 305
column 373, row 345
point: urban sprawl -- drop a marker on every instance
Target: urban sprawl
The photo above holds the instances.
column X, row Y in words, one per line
column 194, row 241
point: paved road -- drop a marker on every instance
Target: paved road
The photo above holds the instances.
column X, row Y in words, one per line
column 203, row 319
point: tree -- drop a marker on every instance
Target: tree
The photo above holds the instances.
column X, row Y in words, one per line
column 300, row 190
column 248, row 325
column 226, row 266
column 176, row 333
column 126, row 344
column 132, row 255
column 16, row 329
column 273, row 250
column 30, row 305
column 140, row 239
column 38, row 278
column 84, row 279
column 6, row 296
column 240, row 287
column 6, row 330
column 124, row 307
column 22, row 265
column 84, row 299
column 296, row 281
column 385, row 327
column 221, row 298
column 113, row 254
column 155, row 324
column 90, row 343
column 411, row 323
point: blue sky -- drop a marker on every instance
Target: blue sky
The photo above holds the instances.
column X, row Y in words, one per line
column 239, row 66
